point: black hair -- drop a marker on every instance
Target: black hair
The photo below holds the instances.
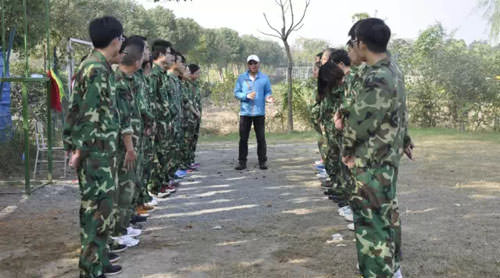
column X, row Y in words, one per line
column 352, row 31
column 340, row 56
column 319, row 54
column 193, row 68
column 139, row 37
column 134, row 50
column 329, row 77
column 104, row 30
column 374, row 33
column 160, row 47
column 178, row 54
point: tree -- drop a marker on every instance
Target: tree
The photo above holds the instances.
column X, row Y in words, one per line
column 283, row 34
column 358, row 16
column 492, row 14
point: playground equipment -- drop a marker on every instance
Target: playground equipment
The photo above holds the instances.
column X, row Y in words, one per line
column 27, row 79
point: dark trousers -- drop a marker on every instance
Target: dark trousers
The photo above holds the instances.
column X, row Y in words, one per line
column 259, row 127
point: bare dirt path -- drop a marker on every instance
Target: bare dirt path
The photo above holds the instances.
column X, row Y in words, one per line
column 275, row 223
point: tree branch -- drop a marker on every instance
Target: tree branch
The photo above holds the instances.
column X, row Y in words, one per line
column 283, row 30
column 270, row 26
column 271, row 35
column 294, row 28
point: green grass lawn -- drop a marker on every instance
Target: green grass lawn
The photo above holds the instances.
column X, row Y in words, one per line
column 416, row 133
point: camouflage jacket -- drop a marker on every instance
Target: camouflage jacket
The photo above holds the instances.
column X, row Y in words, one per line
column 197, row 96
column 328, row 106
column 188, row 103
column 175, row 97
column 159, row 88
column 129, row 106
column 376, row 122
column 92, row 122
column 314, row 117
column 352, row 85
column 146, row 98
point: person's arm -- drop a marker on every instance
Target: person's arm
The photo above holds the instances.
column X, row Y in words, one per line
column 268, row 92
column 238, row 90
column 267, row 88
column 87, row 110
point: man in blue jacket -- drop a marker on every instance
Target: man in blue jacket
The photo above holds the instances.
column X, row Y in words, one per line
column 253, row 89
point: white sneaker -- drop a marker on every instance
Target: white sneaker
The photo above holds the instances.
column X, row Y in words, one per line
column 133, row 232
column 163, row 194
column 349, row 217
column 322, row 175
column 342, row 210
column 129, row 241
column 153, row 202
column 350, row 226
column 126, row 240
column 398, row 274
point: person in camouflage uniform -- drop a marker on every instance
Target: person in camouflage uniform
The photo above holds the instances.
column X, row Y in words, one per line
column 194, row 75
column 147, row 114
column 330, row 87
column 176, row 141
column 91, row 134
column 190, row 119
column 130, row 105
column 314, row 110
column 160, row 88
column 375, row 137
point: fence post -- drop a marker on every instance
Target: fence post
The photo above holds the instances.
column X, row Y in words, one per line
column 49, row 113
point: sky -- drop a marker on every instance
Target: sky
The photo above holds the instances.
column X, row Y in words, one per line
column 330, row 20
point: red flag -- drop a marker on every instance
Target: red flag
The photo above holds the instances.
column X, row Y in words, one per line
column 55, row 92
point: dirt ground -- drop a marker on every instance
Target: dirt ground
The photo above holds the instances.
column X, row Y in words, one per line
column 275, row 223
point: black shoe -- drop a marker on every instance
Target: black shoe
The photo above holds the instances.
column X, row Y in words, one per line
column 137, row 226
column 113, row 258
column 112, row 270
column 117, row 248
column 137, row 218
column 263, row 165
column 242, row 165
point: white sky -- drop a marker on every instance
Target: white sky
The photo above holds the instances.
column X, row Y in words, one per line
column 331, row 19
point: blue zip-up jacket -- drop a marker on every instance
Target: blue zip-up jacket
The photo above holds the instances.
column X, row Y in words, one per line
column 262, row 88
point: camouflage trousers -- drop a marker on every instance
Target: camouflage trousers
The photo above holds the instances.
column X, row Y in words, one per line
column 146, row 170
column 189, row 146
column 97, row 187
column 125, row 195
column 376, row 219
column 337, row 171
column 195, row 142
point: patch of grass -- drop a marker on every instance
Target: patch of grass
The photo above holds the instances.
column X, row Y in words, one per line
column 311, row 136
column 452, row 134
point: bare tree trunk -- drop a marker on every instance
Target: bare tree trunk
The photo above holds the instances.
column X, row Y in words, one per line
column 290, row 86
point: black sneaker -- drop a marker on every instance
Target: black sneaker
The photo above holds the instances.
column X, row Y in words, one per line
column 263, row 165
column 112, row 270
column 241, row 165
column 137, row 219
column 117, row 248
column 113, row 258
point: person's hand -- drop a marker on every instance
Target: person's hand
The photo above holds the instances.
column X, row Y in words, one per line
column 409, row 151
column 251, row 95
column 270, row 99
column 348, row 161
column 339, row 122
column 130, row 157
column 74, row 160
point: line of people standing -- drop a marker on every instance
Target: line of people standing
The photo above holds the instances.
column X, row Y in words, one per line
column 361, row 114
column 132, row 135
